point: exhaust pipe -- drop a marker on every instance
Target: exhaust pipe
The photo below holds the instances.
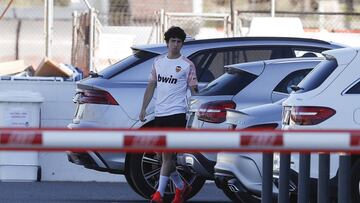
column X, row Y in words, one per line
column 233, row 188
column 234, row 185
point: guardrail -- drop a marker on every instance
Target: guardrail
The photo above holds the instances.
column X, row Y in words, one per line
column 175, row 140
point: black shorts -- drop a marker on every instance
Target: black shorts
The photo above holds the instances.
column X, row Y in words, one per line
column 172, row 121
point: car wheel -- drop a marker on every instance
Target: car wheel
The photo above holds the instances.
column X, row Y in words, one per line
column 355, row 182
column 144, row 172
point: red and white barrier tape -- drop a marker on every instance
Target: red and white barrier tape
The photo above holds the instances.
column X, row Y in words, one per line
column 179, row 140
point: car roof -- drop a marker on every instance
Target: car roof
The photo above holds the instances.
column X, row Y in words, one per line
column 257, row 67
column 245, row 41
column 343, row 56
column 293, row 60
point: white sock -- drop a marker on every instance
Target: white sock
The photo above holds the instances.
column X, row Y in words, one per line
column 162, row 184
column 175, row 177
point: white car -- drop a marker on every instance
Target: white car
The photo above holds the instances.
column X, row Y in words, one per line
column 328, row 99
column 245, row 85
column 239, row 175
column 242, row 86
column 266, row 116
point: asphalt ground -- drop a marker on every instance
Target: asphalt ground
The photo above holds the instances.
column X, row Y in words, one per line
column 92, row 192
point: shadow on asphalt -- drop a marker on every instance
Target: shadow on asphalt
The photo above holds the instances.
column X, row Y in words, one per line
column 81, row 192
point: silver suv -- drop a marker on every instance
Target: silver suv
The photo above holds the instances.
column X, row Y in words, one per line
column 242, row 86
column 112, row 98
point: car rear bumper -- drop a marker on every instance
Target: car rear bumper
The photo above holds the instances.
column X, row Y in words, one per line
column 91, row 160
column 198, row 163
column 243, row 170
column 246, row 192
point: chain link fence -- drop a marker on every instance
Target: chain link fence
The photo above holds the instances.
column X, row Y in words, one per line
column 204, row 25
column 311, row 21
column 121, row 24
column 23, row 35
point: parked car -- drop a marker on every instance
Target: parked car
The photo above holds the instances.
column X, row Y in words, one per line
column 327, row 99
column 243, row 85
column 239, row 175
column 112, row 97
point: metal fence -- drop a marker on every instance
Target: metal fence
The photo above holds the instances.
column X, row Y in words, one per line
column 124, row 23
column 312, row 21
column 23, row 33
column 194, row 24
column 91, row 37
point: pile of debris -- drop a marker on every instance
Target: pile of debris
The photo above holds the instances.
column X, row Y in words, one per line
column 46, row 68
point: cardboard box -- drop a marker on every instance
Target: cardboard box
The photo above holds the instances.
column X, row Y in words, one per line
column 50, row 68
column 12, row 67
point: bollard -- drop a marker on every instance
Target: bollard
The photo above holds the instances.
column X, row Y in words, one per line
column 266, row 194
column 284, row 178
column 344, row 178
column 304, row 178
column 324, row 176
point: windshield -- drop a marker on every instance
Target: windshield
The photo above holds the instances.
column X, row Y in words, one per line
column 228, row 84
column 318, row 75
column 139, row 56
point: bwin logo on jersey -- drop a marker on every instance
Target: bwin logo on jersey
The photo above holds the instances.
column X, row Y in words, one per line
column 170, row 79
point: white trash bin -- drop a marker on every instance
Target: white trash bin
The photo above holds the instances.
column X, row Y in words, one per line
column 19, row 109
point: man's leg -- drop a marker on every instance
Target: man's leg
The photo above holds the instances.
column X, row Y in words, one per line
column 167, row 167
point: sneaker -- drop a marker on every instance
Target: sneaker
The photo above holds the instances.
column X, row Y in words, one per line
column 182, row 195
column 156, row 198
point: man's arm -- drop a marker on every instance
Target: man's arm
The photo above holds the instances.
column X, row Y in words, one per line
column 149, row 92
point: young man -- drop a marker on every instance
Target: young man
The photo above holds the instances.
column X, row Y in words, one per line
column 172, row 74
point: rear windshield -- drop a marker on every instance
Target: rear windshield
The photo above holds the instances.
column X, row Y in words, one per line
column 228, row 84
column 131, row 61
column 318, row 75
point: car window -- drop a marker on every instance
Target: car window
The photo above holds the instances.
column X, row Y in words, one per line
column 318, row 75
column 354, row 89
column 293, row 78
column 200, row 61
column 130, row 61
column 307, row 52
column 210, row 63
column 228, row 84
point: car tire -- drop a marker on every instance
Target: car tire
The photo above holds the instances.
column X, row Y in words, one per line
column 355, row 182
column 130, row 181
column 144, row 172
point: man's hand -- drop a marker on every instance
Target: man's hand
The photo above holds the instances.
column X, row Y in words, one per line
column 147, row 97
column 142, row 116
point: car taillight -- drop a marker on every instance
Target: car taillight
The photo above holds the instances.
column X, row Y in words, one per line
column 214, row 112
column 96, row 97
column 310, row 115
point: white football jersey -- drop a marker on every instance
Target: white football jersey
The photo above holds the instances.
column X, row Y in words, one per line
column 173, row 77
